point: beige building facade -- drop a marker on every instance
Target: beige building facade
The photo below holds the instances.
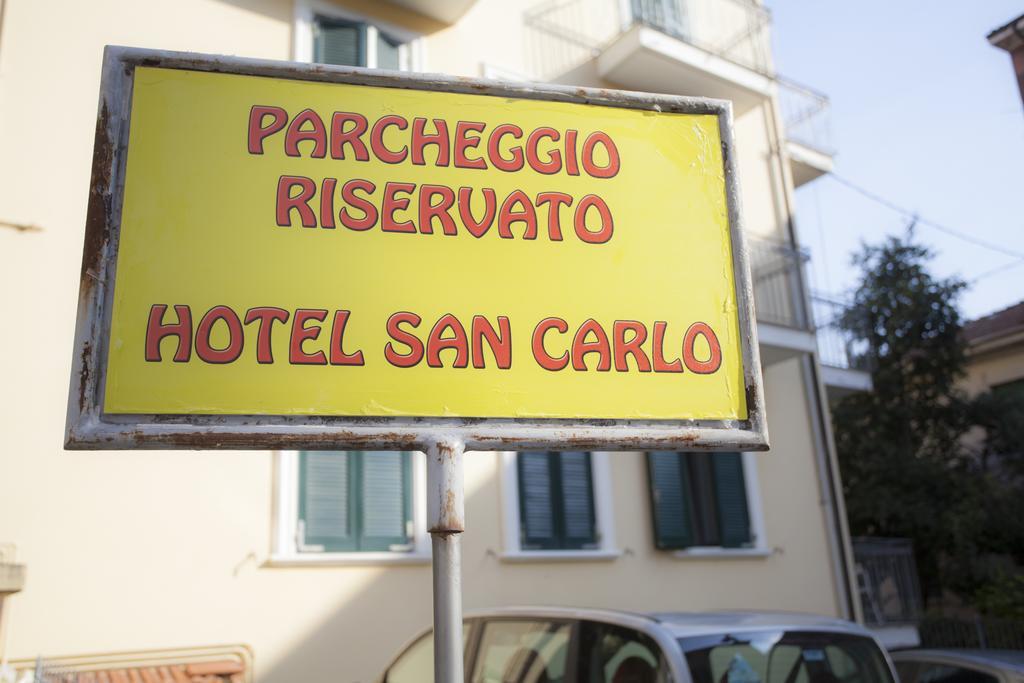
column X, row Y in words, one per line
column 140, row 551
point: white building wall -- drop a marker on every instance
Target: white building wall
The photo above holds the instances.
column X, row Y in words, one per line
column 134, row 550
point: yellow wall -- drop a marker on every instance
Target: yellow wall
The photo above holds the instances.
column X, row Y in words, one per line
column 134, row 550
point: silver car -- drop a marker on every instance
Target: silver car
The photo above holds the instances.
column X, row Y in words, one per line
column 959, row 666
column 549, row 645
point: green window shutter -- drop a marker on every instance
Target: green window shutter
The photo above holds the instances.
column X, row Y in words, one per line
column 577, row 493
column 325, row 501
column 336, row 41
column 385, row 497
column 731, row 495
column 670, row 488
column 536, row 502
column 388, row 52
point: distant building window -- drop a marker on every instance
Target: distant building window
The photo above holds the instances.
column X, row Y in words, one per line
column 699, row 500
column 347, row 42
column 556, row 501
column 355, row 501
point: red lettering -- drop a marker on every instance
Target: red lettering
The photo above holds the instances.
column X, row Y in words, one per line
column 477, row 228
column 395, row 331
column 236, row 336
column 500, row 343
column 348, row 194
column 429, row 211
column 590, row 166
column 630, row 347
column 301, row 334
column 300, row 202
column 258, row 132
column 327, row 202
column 393, row 203
column 554, row 163
column 580, row 220
column 295, row 134
column 658, row 343
column 581, row 347
column 266, row 316
column 494, row 148
column 156, row 330
column 555, row 201
column 437, row 342
column 540, row 354
column 377, row 139
column 528, row 215
column 351, row 137
column 464, row 142
column 420, row 139
column 571, row 164
column 714, row 361
column 338, row 355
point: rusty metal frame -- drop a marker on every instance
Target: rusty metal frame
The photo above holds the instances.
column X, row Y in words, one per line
column 89, row 427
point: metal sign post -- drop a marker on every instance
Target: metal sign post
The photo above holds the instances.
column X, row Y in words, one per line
column 446, row 523
column 314, row 257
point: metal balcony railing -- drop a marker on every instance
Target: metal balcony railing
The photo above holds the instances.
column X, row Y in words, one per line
column 806, row 114
column 836, row 346
column 777, row 269
column 887, row 580
column 564, row 34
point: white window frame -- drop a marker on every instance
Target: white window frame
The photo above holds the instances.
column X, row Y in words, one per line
column 604, row 518
column 411, row 54
column 755, row 509
column 285, row 549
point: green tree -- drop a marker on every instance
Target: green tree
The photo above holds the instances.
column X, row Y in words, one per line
column 899, row 445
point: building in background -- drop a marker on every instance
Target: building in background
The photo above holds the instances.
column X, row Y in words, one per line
column 316, row 565
column 995, row 353
column 1011, row 38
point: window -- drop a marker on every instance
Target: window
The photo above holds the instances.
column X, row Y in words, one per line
column 514, row 650
column 610, row 653
column 349, row 42
column 416, row 663
column 355, row 501
column 785, row 657
column 699, row 500
column 556, row 501
column 947, row 673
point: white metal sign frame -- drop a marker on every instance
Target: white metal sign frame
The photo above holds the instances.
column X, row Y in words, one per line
column 90, row 427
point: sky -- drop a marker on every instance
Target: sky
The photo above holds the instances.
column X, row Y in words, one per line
column 925, row 113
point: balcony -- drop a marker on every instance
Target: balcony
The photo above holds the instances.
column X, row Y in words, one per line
column 806, row 116
column 890, row 596
column 783, row 325
column 709, row 48
column 844, row 371
column 444, row 11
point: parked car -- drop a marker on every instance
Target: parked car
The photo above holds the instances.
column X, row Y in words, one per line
column 549, row 645
column 959, row 666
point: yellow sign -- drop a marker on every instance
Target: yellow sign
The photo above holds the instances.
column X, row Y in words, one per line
column 303, row 248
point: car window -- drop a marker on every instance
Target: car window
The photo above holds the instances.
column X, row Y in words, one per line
column 416, row 663
column 785, row 657
column 946, row 673
column 614, row 654
column 522, row 651
column 906, row 671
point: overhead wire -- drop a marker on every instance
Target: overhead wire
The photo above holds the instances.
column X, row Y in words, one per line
column 953, row 232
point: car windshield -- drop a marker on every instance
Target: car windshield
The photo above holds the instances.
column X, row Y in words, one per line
column 785, row 657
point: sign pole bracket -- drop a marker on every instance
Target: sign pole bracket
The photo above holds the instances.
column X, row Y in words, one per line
column 446, row 523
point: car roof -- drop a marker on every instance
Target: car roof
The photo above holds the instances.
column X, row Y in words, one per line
column 1004, row 659
column 686, row 624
